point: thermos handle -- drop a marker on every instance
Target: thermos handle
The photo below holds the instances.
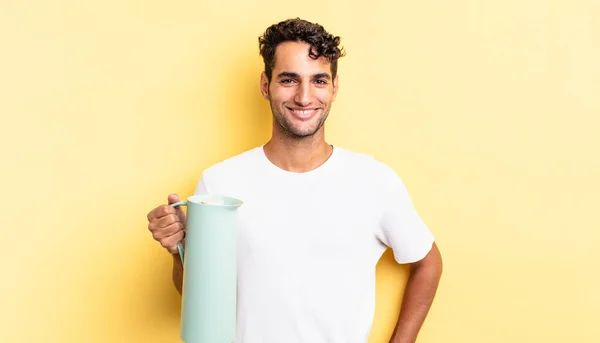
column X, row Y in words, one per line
column 179, row 245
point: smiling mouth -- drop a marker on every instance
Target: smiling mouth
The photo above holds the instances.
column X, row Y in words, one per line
column 304, row 113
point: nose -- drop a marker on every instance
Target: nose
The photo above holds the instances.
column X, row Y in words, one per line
column 302, row 97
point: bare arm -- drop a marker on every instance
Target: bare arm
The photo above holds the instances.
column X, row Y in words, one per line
column 420, row 290
column 177, row 273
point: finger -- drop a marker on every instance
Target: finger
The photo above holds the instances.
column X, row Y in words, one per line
column 152, row 214
column 160, row 211
column 163, row 222
column 167, row 231
column 163, row 211
column 170, row 243
column 173, row 198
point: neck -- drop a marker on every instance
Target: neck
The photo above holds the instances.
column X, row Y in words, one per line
column 298, row 155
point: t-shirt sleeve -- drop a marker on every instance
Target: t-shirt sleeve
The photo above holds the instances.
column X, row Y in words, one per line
column 202, row 186
column 401, row 227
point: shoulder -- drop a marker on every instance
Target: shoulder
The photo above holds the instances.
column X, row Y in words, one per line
column 365, row 164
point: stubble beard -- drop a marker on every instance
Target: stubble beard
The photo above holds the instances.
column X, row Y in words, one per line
column 288, row 128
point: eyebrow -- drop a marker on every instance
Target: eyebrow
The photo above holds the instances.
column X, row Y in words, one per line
column 322, row 76
column 295, row 75
column 288, row 74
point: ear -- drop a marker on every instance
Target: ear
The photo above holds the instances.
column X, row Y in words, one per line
column 264, row 85
column 336, row 83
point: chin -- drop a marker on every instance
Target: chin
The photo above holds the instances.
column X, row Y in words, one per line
column 304, row 132
column 299, row 129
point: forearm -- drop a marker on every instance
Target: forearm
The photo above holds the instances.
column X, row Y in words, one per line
column 418, row 297
column 177, row 272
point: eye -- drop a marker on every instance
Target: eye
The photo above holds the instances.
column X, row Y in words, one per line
column 287, row 81
column 321, row 82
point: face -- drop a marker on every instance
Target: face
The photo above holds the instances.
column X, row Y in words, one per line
column 301, row 90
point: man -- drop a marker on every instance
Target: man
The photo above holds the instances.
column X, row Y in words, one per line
column 316, row 218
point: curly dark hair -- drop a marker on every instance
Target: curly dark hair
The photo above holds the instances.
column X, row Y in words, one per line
column 321, row 42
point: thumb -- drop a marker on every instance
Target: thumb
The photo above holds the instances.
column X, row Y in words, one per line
column 173, row 198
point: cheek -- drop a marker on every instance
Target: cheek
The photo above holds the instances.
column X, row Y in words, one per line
column 280, row 95
column 325, row 96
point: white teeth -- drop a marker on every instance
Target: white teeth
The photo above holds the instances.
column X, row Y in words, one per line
column 303, row 112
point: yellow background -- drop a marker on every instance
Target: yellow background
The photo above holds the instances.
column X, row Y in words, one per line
column 489, row 110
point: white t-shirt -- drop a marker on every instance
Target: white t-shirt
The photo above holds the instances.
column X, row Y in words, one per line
column 309, row 243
